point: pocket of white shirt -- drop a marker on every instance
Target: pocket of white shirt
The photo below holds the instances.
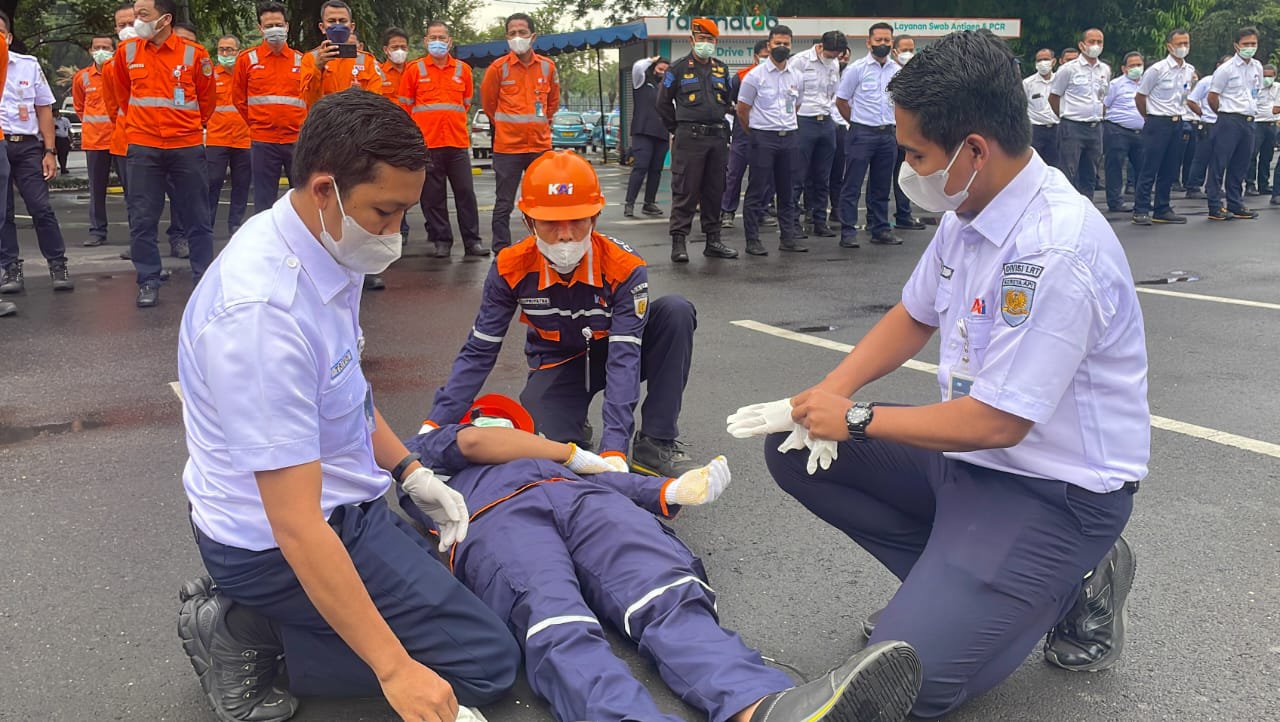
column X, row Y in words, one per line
column 342, row 418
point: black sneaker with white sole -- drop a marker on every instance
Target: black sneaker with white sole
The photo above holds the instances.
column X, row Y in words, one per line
column 238, row 677
column 878, row 684
column 1091, row 637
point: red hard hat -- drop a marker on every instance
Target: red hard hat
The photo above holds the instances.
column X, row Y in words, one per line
column 502, row 407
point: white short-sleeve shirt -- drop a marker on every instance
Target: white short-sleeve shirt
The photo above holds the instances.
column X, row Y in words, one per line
column 1166, row 85
column 865, row 86
column 1038, row 109
column 1081, row 86
column 774, row 96
column 25, row 89
column 1038, row 317
column 1238, row 82
column 269, row 364
column 1200, row 96
column 821, row 76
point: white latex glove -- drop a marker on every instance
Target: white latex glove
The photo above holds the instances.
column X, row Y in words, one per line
column 799, row 439
column 581, row 461
column 467, row 714
column 445, row 506
column 821, row 453
column 761, row 419
column 700, row 486
column 618, row 463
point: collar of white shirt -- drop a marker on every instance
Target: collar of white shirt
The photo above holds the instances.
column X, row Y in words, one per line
column 329, row 277
column 1002, row 214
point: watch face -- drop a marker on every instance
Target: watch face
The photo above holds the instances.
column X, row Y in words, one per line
column 857, row 415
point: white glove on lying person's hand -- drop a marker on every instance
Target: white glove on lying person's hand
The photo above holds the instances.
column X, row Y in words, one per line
column 445, row 506
column 761, row 419
column 581, row 461
column 700, row 486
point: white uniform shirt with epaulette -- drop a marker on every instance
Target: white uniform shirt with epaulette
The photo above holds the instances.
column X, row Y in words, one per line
column 1237, row 83
column 1166, row 85
column 1081, row 85
column 1038, row 317
column 1037, row 90
column 269, row 362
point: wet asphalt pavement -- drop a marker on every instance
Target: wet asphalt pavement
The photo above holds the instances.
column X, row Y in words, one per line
column 95, row 541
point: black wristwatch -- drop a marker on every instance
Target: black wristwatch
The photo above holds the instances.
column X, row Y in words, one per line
column 856, row 420
column 397, row 472
column 50, row 151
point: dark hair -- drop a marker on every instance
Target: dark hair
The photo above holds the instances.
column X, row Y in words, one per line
column 879, row 26
column 437, row 24
column 1269, row 66
column 4, row 17
column 123, row 6
column 780, row 30
column 349, row 133
column 1069, row 50
column 1086, row 31
column 109, row 36
column 184, row 25
column 271, row 6
column 229, row 35
column 338, row 4
column 899, row 38
column 506, row 26
column 760, row 45
column 835, row 41
column 1045, row 50
column 167, row 7
column 393, row 32
column 1223, row 59
column 967, row 82
column 1168, row 38
column 1131, row 54
column 1245, row 32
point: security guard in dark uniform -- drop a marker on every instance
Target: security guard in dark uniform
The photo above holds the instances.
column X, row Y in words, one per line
column 692, row 103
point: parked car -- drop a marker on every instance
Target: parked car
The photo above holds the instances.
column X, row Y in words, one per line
column 481, row 136
column 568, row 130
column 592, row 118
column 612, row 128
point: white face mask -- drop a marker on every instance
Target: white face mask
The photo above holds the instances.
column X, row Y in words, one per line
column 1180, row 52
column 360, row 250
column 519, row 46
column 127, row 33
column 1044, row 67
column 904, row 58
column 1092, row 51
column 398, row 56
column 101, row 56
column 275, row 37
column 145, row 30
column 930, row 191
column 564, row 257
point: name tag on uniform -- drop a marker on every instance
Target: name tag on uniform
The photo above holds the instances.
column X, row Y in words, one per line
column 789, row 104
column 23, row 113
column 179, row 97
column 537, row 108
column 368, row 408
column 959, row 386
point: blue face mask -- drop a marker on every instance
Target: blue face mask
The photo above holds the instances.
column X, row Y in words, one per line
column 438, row 48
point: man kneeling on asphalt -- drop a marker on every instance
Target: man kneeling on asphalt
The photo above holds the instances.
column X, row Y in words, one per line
column 585, row 298
column 288, row 456
column 1000, row 508
column 560, row 542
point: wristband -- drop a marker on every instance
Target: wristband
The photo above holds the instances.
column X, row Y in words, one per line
column 397, row 472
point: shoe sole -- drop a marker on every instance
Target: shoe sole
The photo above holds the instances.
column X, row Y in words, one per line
column 639, row 469
column 1126, row 569
column 1169, row 223
column 887, row 676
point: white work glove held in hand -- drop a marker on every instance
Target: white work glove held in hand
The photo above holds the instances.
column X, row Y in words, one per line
column 581, row 461
column 700, row 486
column 445, row 506
column 821, row 451
column 761, row 419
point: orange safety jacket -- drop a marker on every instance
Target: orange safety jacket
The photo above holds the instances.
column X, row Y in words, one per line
column 339, row 74
column 227, row 128
column 391, row 80
column 168, row 90
column 520, row 99
column 96, row 123
column 266, row 89
column 438, row 98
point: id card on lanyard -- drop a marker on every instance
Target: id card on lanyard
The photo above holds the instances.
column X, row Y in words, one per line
column 960, row 380
column 179, row 94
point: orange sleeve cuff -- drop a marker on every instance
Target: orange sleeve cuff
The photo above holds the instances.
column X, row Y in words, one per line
column 429, row 422
column 618, row 454
column 662, row 498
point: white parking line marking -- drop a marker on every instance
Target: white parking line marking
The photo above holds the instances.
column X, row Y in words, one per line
column 1224, row 438
column 1215, row 299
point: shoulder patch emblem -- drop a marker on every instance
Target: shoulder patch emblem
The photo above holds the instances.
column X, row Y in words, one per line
column 1017, row 295
column 642, row 304
column 206, row 67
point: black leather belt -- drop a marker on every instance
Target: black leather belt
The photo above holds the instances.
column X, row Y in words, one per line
column 817, row 118
column 1235, row 115
column 1121, row 127
column 704, row 128
column 1090, row 123
column 1131, row 487
column 779, row 133
column 1170, row 118
column 21, row 138
column 875, row 128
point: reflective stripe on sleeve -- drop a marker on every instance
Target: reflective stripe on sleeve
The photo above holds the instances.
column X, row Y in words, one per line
column 625, row 339
column 485, row 336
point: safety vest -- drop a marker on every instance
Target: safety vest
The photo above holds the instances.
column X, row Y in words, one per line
column 226, row 128
column 96, row 125
column 266, row 88
column 522, row 104
column 438, row 101
column 170, row 89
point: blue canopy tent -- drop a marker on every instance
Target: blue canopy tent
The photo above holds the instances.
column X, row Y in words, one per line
column 483, row 54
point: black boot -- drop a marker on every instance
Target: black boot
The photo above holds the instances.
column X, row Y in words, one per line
column 716, row 249
column 879, row 683
column 1091, row 637
column 679, row 251
column 60, row 276
column 755, row 247
column 12, row 281
column 651, row 209
column 180, row 249
column 237, row 671
column 658, row 457
column 629, row 210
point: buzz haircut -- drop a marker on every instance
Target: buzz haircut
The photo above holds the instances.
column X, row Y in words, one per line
column 966, row 82
column 879, row 26
column 506, row 26
column 899, row 38
column 1168, row 38
column 437, row 24
column 777, row 30
column 338, row 4
column 1131, row 54
column 348, row 134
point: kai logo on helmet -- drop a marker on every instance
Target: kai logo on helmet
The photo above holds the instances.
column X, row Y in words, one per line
column 560, row 189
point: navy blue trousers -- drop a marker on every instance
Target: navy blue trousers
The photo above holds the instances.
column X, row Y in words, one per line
column 98, row 166
column 772, row 157
column 559, row 560
column 1200, row 162
column 902, row 211
column 989, row 561
column 1264, row 143
column 874, row 151
column 267, row 162
column 736, row 170
column 454, row 166
column 1044, row 138
column 836, row 183
column 1163, row 145
column 508, row 169
column 26, row 173
column 650, row 154
column 812, row 172
column 1079, row 149
column 152, row 172
column 4, row 176
column 1232, row 140
column 219, row 159
column 558, row 397
column 1191, row 133
column 438, row 621
column 1121, row 146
